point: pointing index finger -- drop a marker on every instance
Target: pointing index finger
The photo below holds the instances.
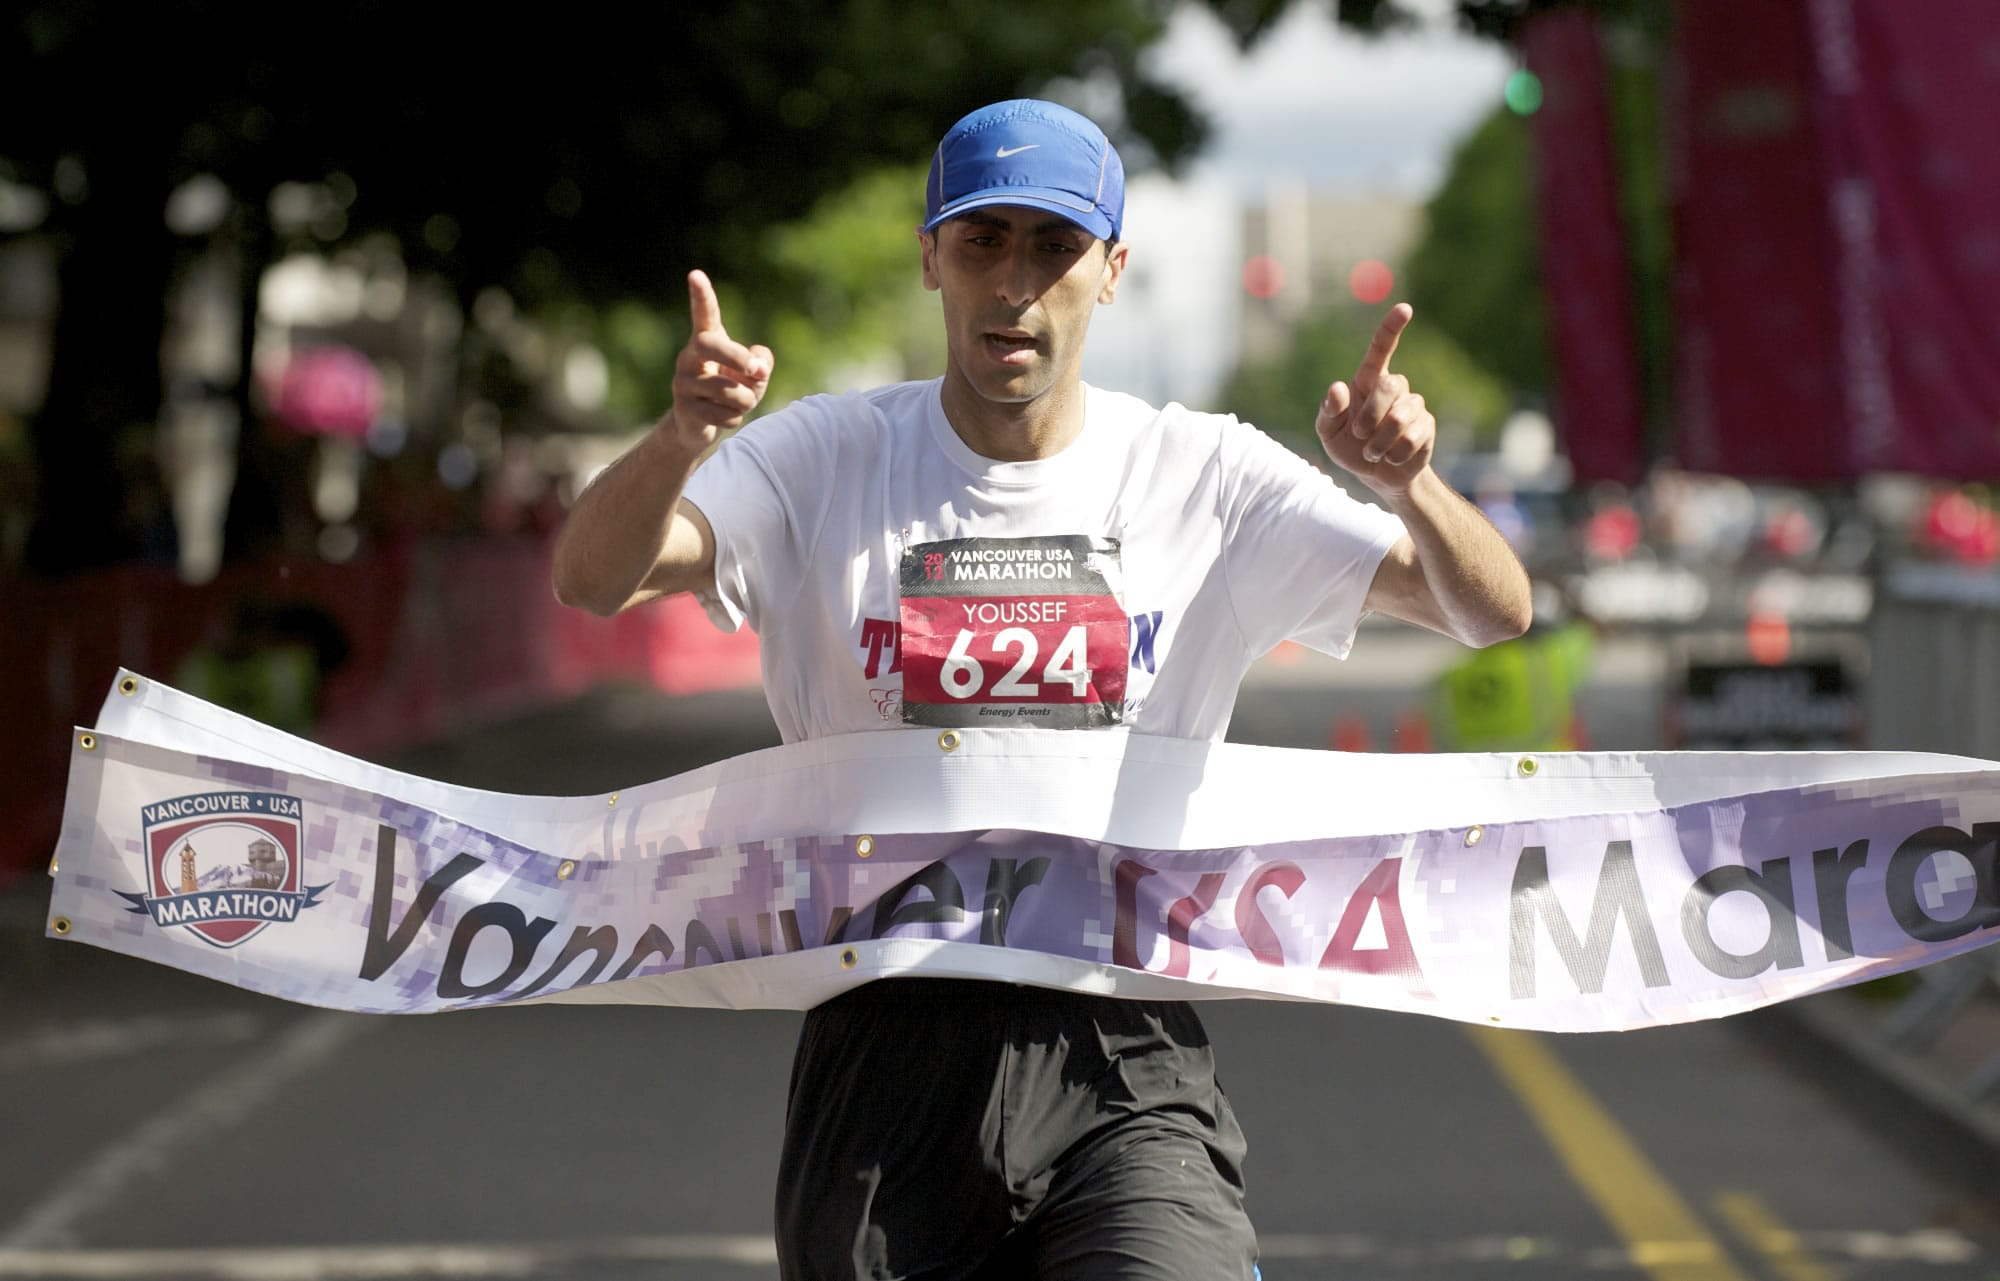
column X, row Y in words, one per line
column 702, row 304
column 1376, row 362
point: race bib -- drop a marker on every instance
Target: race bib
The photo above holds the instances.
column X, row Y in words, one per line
column 1013, row 631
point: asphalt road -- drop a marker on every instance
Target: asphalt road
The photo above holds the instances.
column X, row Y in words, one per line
column 159, row 1125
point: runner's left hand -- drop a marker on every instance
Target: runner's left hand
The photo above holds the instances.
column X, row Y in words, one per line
column 1378, row 428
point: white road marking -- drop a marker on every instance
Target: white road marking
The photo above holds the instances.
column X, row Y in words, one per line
column 224, row 1101
column 1924, row 1245
column 360, row 1263
column 482, row 1260
column 85, row 1039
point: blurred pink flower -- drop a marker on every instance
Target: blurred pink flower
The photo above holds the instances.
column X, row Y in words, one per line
column 329, row 391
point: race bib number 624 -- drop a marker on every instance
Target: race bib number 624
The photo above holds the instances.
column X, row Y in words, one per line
column 1013, row 631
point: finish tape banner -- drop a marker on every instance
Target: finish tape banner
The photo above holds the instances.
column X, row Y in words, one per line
column 1566, row 892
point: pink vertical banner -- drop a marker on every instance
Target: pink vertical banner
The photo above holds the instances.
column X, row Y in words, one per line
column 1909, row 99
column 1757, row 333
column 1584, row 265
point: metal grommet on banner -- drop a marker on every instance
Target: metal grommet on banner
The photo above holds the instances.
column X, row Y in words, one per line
column 55, row 861
column 130, row 685
column 1474, row 834
column 60, row 925
column 864, row 845
column 1526, row 766
column 848, row 958
column 88, row 742
column 613, row 800
column 949, row 740
column 567, row 870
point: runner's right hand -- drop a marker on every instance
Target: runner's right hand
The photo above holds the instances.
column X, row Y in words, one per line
column 717, row 380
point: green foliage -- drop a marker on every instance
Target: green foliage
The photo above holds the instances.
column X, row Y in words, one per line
column 840, row 299
column 1476, row 273
column 572, row 161
column 848, row 287
column 639, row 343
column 1282, row 395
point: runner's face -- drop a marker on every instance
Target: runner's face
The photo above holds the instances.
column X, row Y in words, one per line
column 1018, row 285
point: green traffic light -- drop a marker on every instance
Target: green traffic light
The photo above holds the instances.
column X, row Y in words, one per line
column 1524, row 92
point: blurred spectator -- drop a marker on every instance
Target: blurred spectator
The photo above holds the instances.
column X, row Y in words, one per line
column 328, row 390
column 516, row 497
column 1793, row 528
column 270, row 501
column 1957, row 526
column 269, row 662
column 1495, row 497
column 17, row 489
column 1613, row 529
column 1519, row 695
column 148, row 518
column 1700, row 519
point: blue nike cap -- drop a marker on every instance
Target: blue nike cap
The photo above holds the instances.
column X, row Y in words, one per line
column 1028, row 152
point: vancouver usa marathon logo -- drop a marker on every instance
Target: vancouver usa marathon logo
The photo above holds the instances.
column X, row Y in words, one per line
column 223, row 864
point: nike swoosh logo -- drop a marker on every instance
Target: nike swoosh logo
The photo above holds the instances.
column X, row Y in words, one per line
column 1005, row 152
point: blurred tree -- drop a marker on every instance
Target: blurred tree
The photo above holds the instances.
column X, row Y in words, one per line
column 849, row 274
column 1282, row 395
column 576, row 155
column 1502, row 20
column 1475, row 273
column 1487, row 207
column 836, row 292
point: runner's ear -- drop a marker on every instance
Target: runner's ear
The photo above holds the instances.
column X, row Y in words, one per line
column 1115, row 254
column 927, row 256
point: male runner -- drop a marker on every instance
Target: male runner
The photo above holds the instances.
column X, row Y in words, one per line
column 1141, row 559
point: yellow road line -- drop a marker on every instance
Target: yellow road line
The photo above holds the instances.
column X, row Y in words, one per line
column 1663, row 1234
column 1749, row 1218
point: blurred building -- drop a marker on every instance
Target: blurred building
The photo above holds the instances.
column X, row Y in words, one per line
column 1303, row 248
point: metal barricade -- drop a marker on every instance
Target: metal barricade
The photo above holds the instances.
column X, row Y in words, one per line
column 1934, row 686
column 1934, row 679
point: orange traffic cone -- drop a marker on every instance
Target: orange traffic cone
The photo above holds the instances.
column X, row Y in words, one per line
column 1413, row 732
column 1350, row 734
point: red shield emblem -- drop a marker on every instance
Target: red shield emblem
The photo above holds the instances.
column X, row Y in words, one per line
column 224, row 864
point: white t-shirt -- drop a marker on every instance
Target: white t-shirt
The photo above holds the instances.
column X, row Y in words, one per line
column 1224, row 543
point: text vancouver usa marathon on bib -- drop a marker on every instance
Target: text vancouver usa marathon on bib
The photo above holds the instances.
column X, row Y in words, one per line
column 1013, row 631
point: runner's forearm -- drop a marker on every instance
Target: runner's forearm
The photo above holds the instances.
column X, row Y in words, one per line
column 1477, row 583
column 622, row 529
